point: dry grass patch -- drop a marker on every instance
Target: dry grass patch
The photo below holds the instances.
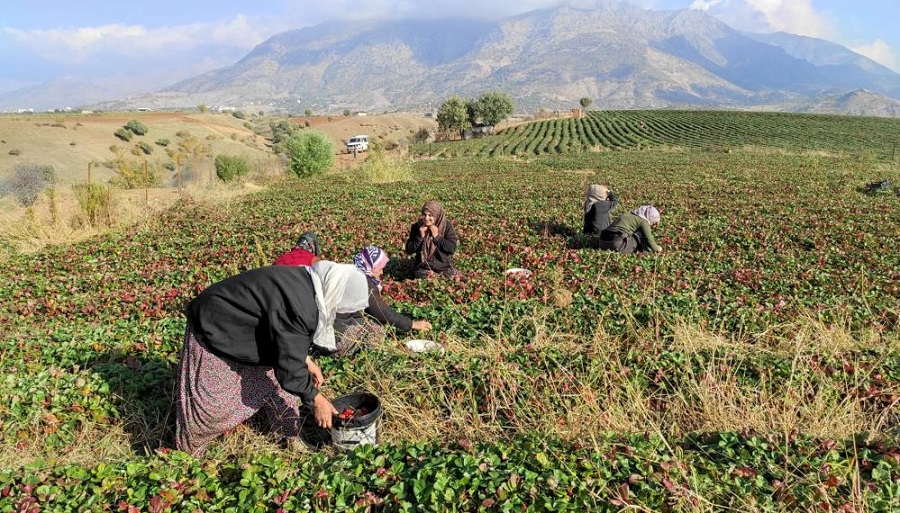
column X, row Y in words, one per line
column 61, row 221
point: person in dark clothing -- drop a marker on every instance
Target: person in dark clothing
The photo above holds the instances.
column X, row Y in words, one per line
column 246, row 349
column 433, row 241
column 305, row 252
column 599, row 201
column 631, row 232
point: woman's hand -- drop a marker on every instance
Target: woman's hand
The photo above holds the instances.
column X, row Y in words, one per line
column 421, row 325
column 315, row 371
column 434, row 230
column 323, row 410
column 422, row 231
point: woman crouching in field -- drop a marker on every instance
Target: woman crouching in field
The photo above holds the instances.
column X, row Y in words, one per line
column 433, row 241
column 360, row 321
column 246, row 349
column 632, row 232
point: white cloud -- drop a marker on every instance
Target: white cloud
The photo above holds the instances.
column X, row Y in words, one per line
column 794, row 16
column 880, row 52
column 704, row 5
column 81, row 44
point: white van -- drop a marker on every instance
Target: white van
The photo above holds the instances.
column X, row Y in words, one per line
column 358, row 143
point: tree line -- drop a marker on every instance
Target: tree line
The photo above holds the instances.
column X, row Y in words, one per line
column 458, row 114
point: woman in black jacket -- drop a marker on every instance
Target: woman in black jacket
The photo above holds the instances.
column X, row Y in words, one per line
column 246, row 349
column 433, row 241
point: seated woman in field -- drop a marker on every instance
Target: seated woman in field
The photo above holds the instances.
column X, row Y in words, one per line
column 599, row 201
column 433, row 241
column 230, row 369
column 352, row 312
column 305, row 252
column 631, row 232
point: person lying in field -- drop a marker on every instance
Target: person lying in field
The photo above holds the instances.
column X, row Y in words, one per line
column 632, row 232
column 599, row 201
column 246, row 349
column 433, row 241
column 360, row 323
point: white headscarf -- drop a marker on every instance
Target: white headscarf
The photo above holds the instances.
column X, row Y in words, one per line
column 340, row 288
column 648, row 212
column 593, row 194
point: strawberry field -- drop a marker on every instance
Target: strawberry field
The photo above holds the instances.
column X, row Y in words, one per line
column 754, row 365
column 711, row 130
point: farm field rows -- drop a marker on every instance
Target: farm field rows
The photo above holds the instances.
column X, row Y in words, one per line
column 754, row 365
column 718, row 130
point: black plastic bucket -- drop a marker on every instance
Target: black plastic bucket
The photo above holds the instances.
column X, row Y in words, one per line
column 361, row 429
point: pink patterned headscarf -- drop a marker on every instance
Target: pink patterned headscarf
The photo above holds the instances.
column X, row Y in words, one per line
column 370, row 260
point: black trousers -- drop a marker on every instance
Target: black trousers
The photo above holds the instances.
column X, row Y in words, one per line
column 618, row 241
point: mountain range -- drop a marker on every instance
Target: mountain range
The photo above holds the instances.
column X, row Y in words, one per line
column 618, row 55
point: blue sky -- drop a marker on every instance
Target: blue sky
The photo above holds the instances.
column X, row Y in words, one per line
column 150, row 44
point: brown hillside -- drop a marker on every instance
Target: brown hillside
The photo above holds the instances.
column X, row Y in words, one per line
column 68, row 142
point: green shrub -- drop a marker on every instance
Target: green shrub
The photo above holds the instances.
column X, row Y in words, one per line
column 123, row 134
column 231, row 167
column 15, row 152
column 311, row 153
column 95, row 202
column 238, row 114
column 420, row 136
column 136, row 127
column 144, row 147
column 162, row 141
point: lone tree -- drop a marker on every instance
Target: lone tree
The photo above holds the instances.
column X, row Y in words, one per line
column 491, row 108
column 311, row 153
column 453, row 115
column 585, row 102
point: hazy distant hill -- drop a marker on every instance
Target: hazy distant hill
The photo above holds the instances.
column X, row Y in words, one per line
column 618, row 55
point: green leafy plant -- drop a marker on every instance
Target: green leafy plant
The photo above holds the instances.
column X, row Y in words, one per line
column 310, row 153
column 95, row 201
column 123, row 134
column 136, row 127
column 231, row 167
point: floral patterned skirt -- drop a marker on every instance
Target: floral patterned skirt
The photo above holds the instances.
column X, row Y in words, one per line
column 215, row 395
